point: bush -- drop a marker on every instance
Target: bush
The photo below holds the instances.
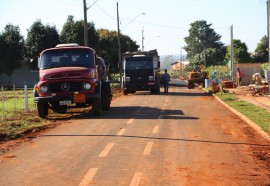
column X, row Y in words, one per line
column 264, row 67
column 223, row 71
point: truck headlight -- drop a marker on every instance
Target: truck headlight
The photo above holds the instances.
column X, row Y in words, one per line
column 151, row 78
column 87, row 86
column 44, row 89
column 127, row 78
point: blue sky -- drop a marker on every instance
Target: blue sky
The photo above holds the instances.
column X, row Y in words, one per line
column 164, row 25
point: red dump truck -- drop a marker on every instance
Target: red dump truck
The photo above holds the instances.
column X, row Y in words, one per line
column 71, row 76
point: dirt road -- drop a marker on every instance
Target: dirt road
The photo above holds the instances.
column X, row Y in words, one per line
column 182, row 138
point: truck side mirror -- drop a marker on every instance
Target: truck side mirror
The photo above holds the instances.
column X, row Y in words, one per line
column 34, row 64
column 159, row 64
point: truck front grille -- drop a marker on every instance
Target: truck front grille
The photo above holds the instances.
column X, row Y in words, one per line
column 65, row 87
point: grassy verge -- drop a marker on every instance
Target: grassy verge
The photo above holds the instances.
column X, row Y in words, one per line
column 14, row 121
column 258, row 115
column 18, row 123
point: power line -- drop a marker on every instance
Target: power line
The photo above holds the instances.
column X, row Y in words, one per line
column 146, row 23
column 105, row 12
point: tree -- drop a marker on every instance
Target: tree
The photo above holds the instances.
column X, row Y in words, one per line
column 40, row 37
column 240, row 50
column 69, row 33
column 2, row 46
column 108, row 46
column 11, row 47
column 203, row 45
column 261, row 52
column 73, row 32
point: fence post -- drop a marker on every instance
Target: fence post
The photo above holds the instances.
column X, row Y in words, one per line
column 14, row 97
column 2, row 90
column 25, row 98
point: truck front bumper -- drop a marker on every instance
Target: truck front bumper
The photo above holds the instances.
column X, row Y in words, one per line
column 88, row 98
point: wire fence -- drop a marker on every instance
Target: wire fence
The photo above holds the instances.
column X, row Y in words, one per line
column 14, row 100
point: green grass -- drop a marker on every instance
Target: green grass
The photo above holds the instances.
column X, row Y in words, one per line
column 258, row 115
column 14, row 127
column 14, row 121
column 10, row 105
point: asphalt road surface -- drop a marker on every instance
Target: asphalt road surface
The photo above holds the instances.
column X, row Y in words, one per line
column 184, row 137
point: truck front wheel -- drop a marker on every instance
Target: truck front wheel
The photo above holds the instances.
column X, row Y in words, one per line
column 42, row 109
column 96, row 107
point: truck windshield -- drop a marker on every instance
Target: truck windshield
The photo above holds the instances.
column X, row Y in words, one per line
column 139, row 64
column 66, row 57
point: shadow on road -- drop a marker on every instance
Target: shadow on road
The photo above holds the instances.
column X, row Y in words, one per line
column 185, row 92
column 135, row 112
column 176, row 85
column 127, row 112
column 156, row 138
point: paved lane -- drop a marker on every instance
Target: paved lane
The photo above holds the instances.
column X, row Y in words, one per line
column 182, row 138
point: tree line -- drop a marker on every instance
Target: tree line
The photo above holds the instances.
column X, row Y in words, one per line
column 14, row 49
column 204, row 48
column 203, row 45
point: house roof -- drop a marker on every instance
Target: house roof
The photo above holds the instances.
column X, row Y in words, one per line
column 175, row 63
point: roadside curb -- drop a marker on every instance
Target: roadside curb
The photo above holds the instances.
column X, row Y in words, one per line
column 246, row 119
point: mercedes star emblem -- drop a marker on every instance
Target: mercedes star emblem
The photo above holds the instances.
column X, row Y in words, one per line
column 65, row 87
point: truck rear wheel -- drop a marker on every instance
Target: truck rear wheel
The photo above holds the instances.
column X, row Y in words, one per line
column 105, row 96
column 106, row 101
column 96, row 107
column 42, row 109
column 157, row 89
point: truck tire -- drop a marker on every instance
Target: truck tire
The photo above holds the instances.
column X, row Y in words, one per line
column 155, row 90
column 42, row 109
column 158, row 89
column 106, row 101
column 96, row 107
column 105, row 96
column 190, row 85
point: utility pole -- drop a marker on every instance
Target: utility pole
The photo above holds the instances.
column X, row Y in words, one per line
column 204, row 58
column 120, row 66
column 85, row 8
column 268, row 28
column 268, row 39
column 142, row 41
column 86, row 41
column 181, row 62
column 232, row 53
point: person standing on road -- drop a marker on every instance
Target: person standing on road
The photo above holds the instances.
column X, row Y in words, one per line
column 166, row 79
column 239, row 77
